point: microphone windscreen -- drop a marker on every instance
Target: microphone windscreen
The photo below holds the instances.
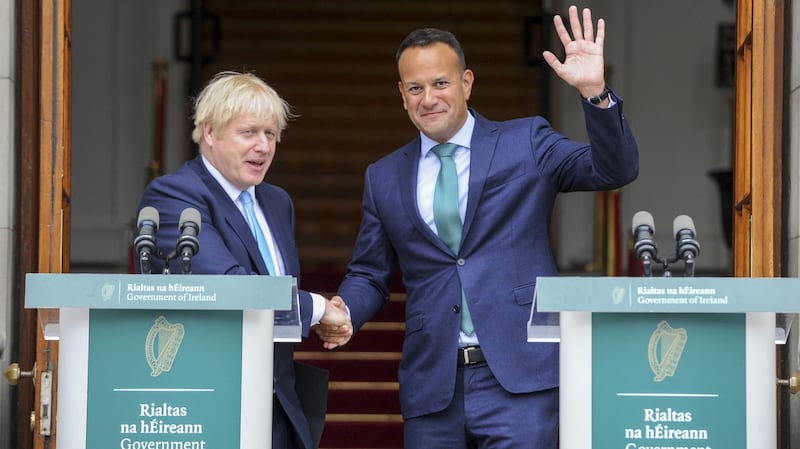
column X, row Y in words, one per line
column 642, row 218
column 682, row 222
column 190, row 215
column 148, row 213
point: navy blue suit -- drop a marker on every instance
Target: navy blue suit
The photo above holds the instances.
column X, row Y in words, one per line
column 517, row 168
column 228, row 247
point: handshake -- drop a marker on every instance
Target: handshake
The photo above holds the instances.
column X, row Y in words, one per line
column 335, row 327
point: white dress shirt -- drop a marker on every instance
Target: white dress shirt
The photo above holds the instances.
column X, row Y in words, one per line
column 427, row 173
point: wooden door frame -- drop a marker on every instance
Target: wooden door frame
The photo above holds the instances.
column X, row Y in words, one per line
column 758, row 243
column 26, row 247
column 758, row 212
column 43, row 184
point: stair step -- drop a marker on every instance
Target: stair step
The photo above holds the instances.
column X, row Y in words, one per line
column 367, row 399
column 363, row 393
column 380, row 432
column 364, row 418
column 355, row 366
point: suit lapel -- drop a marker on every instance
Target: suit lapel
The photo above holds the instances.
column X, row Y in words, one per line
column 237, row 222
column 233, row 216
column 277, row 225
column 409, row 176
column 482, row 151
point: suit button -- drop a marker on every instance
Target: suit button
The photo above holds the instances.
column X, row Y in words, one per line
column 456, row 308
column 461, row 262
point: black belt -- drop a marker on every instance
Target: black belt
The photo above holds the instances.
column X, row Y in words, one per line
column 470, row 355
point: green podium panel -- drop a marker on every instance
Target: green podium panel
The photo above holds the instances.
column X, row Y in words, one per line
column 656, row 380
column 164, row 376
column 664, row 362
column 150, row 361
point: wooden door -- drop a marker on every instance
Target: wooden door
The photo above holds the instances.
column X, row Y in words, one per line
column 42, row 243
column 758, row 163
column 759, row 124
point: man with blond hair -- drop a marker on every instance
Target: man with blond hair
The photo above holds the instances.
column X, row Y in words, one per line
column 238, row 124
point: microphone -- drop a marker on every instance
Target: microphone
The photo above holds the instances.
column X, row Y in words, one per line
column 686, row 247
column 644, row 246
column 188, row 245
column 145, row 243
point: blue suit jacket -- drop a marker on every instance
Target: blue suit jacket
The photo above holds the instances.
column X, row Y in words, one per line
column 517, row 168
column 228, row 247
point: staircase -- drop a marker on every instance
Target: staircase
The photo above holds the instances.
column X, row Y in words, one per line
column 363, row 401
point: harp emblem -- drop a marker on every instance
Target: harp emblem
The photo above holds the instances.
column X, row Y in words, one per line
column 618, row 295
column 665, row 350
column 162, row 344
column 107, row 291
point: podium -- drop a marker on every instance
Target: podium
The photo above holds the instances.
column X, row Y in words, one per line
column 164, row 360
column 665, row 362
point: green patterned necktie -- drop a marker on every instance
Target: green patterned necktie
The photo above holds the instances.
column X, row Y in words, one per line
column 446, row 215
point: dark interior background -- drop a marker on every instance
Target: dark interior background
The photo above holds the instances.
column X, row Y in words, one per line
column 334, row 62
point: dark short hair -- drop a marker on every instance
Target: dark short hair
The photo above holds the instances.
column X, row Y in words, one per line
column 424, row 37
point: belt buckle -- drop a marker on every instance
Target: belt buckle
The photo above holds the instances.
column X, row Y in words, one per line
column 464, row 357
column 465, row 354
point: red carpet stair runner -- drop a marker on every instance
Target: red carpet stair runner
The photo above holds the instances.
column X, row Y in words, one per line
column 363, row 402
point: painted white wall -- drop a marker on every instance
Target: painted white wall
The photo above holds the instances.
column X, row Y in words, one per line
column 7, row 229
column 114, row 47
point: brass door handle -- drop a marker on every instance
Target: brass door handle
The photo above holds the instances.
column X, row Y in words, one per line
column 793, row 382
column 13, row 373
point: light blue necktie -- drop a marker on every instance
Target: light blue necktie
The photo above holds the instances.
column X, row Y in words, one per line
column 255, row 228
column 446, row 215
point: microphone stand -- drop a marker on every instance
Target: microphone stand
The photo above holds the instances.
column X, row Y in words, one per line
column 144, row 263
column 187, row 245
column 652, row 255
column 688, row 268
column 167, row 260
column 186, row 262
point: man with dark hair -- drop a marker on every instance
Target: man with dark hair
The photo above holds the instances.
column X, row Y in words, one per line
column 464, row 210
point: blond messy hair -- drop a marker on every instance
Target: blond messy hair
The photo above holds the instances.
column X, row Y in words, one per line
column 232, row 94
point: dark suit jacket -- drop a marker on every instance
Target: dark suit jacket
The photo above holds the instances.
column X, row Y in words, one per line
column 228, row 247
column 517, row 168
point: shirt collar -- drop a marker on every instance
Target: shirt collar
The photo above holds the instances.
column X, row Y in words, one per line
column 462, row 138
column 229, row 188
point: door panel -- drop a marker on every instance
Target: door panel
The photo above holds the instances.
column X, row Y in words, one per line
column 54, row 197
column 42, row 243
column 758, row 172
column 757, row 166
column 26, row 242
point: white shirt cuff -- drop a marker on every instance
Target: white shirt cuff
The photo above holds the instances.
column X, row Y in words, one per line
column 319, row 307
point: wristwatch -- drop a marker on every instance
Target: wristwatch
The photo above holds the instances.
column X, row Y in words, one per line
column 597, row 99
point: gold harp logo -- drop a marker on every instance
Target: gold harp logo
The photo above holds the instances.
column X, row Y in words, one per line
column 162, row 344
column 665, row 350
